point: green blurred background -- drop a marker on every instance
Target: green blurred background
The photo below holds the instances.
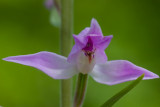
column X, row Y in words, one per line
column 25, row 29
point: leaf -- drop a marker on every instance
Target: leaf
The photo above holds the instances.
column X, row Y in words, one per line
column 115, row 98
column 55, row 18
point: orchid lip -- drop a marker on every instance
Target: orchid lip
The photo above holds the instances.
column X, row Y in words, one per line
column 89, row 50
column 89, row 54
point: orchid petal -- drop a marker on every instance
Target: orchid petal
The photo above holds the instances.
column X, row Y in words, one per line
column 118, row 71
column 54, row 65
column 74, row 54
column 84, row 32
column 105, row 42
column 96, row 39
column 80, row 39
column 95, row 28
column 100, row 56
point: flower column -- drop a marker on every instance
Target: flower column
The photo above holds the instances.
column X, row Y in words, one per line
column 66, row 45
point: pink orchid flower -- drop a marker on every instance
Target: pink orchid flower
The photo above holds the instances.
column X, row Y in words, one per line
column 87, row 57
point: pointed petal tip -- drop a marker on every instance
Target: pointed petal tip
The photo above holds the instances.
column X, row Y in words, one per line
column 94, row 21
column 95, row 28
column 157, row 76
column 111, row 36
column 153, row 76
column 7, row 59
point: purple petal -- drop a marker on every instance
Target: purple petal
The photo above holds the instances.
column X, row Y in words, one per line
column 77, row 48
column 96, row 39
column 100, row 56
column 74, row 54
column 80, row 41
column 118, row 71
column 52, row 64
column 105, row 42
column 95, row 28
column 84, row 32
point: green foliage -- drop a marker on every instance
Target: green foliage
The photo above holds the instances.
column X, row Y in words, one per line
column 119, row 95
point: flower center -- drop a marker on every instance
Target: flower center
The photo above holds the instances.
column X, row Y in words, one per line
column 89, row 50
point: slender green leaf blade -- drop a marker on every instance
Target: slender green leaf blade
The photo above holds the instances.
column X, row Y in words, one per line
column 116, row 97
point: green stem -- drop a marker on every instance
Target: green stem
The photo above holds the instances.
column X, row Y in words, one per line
column 80, row 89
column 66, row 45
